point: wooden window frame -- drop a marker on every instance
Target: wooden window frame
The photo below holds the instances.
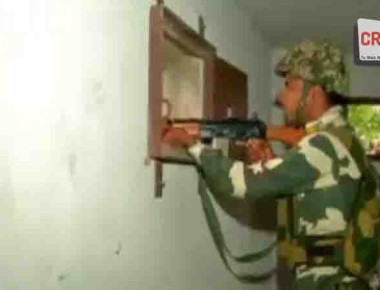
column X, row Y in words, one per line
column 165, row 24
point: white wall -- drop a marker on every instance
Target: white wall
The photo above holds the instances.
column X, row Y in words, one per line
column 275, row 86
column 364, row 79
column 74, row 188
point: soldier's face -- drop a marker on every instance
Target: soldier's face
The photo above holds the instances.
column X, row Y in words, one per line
column 289, row 99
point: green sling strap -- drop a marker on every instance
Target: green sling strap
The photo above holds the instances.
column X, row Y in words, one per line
column 218, row 238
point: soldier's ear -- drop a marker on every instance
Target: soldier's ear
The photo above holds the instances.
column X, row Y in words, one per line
column 315, row 94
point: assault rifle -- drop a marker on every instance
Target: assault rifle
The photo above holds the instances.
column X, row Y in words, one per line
column 234, row 129
column 238, row 130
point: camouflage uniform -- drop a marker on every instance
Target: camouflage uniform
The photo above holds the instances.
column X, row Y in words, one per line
column 315, row 181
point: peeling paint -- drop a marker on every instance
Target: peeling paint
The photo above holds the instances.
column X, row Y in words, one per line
column 119, row 248
column 72, row 163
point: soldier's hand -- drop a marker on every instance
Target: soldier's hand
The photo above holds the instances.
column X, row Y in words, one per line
column 178, row 137
column 259, row 151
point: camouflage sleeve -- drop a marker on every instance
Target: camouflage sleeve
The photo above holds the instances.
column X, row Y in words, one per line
column 298, row 170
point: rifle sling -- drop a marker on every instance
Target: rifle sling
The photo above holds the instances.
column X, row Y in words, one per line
column 218, row 238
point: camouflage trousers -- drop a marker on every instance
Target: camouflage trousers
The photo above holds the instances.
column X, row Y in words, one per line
column 326, row 278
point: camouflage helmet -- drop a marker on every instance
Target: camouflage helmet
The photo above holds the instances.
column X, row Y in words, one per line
column 319, row 62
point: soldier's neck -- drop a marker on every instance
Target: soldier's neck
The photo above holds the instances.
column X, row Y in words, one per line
column 318, row 110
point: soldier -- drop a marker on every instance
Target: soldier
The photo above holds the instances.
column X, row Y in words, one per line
column 315, row 181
